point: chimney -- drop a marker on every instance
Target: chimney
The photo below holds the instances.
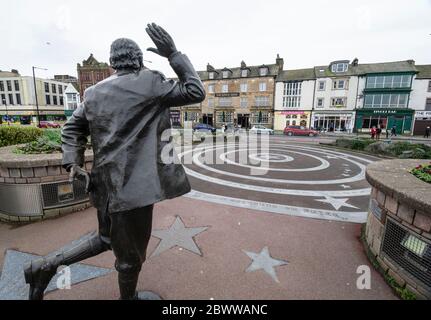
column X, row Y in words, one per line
column 210, row 68
column 412, row 62
column 280, row 62
column 355, row 62
column 243, row 65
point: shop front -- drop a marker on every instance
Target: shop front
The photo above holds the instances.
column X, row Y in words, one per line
column 401, row 119
column 175, row 118
column 333, row 121
column 282, row 119
column 422, row 121
column 28, row 117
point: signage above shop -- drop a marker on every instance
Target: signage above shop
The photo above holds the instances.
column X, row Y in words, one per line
column 227, row 94
column 284, row 113
column 423, row 114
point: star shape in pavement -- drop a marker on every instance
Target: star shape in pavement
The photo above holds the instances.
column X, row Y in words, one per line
column 337, row 203
column 264, row 261
column 178, row 235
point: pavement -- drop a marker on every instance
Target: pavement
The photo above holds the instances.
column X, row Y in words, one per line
column 291, row 232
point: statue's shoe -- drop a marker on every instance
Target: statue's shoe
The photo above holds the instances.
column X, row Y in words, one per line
column 38, row 273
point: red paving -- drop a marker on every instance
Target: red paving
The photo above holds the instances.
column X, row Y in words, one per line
column 322, row 255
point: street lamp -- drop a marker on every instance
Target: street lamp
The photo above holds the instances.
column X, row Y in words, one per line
column 7, row 115
column 35, row 95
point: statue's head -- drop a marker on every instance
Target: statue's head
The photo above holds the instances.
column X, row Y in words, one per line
column 126, row 55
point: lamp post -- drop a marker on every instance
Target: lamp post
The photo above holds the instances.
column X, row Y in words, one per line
column 7, row 115
column 35, row 95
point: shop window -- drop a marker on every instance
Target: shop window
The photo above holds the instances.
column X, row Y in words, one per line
column 366, row 123
column 303, row 123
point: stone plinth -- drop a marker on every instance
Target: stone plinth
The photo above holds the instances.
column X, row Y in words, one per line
column 398, row 230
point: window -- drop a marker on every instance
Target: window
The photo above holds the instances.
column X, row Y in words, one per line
column 60, row 89
column 262, row 86
column 54, row 100
column 320, row 102
column 260, row 117
column 391, row 81
column 46, row 87
column 210, row 102
column 428, row 104
column 263, row 71
column 54, row 88
column 244, row 73
column 9, row 85
column 338, row 102
column 225, row 102
column 262, row 101
column 11, row 102
column 225, row 88
column 225, row 74
column 292, row 94
column 211, row 75
column 339, row 84
column 48, row 99
column 429, row 86
column 16, row 85
column 243, row 87
column 18, row 99
column 243, row 102
column 191, row 116
column 2, row 85
column 392, row 100
column 210, row 88
column 340, row 67
column 322, row 85
column 224, row 117
column 61, row 101
column 3, row 99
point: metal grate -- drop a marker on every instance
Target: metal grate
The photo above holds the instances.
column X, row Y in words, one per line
column 409, row 251
column 63, row 193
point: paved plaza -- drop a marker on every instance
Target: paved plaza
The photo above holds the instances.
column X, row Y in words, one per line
column 290, row 232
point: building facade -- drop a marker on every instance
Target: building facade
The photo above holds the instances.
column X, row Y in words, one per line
column 420, row 99
column 242, row 96
column 71, row 99
column 18, row 100
column 91, row 72
column 67, row 79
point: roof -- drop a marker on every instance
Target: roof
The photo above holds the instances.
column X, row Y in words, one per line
column 424, row 71
column 298, row 74
column 70, row 89
column 273, row 70
column 8, row 74
column 386, row 67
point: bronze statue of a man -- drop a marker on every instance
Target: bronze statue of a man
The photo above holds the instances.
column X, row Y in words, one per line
column 125, row 115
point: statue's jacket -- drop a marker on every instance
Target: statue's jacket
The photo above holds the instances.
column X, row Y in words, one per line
column 128, row 119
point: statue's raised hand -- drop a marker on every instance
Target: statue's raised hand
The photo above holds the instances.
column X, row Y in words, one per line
column 163, row 41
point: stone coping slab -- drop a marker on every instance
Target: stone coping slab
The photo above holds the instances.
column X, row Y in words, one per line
column 9, row 159
column 393, row 178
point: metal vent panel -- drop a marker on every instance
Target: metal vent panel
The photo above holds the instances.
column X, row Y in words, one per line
column 20, row 199
column 409, row 251
column 63, row 193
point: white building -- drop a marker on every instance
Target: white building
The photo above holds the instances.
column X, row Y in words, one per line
column 293, row 98
column 18, row 101
column 71, row 100
column 420, row 99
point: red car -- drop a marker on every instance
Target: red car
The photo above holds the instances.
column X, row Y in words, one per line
column 300, row 131
column 48, row 124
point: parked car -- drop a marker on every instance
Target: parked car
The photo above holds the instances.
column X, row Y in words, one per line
column 261, row 129
column 300, row 131
column 48, row 124
column 204, row 127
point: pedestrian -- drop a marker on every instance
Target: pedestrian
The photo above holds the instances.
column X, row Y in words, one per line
column 427, row 132
column 394, row 131
column 387, row 133
column 373, row 132
column 378, row 133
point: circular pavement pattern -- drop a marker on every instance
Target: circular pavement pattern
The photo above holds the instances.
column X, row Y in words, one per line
column 290, row 178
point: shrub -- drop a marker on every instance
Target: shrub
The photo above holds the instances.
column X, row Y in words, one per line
column 410, row 150
column 379, row 147
column 423, row 172
column 12, row 135
column 355, row 144
column 49, row 142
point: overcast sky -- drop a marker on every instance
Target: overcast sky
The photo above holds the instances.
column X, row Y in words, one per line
column 58, row 34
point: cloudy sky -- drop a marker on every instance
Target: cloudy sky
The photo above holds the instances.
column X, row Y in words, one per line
column 57, row 34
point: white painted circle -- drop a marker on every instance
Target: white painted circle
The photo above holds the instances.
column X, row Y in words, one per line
column 270, row 157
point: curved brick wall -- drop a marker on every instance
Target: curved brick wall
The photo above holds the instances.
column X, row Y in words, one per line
column 398, row 230
column 31, row 182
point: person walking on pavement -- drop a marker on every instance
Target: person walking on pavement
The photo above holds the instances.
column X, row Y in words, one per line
column 394, row 131
column 373, row 132
column 427, row 132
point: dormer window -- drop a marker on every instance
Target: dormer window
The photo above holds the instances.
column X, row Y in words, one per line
column 263, row 71
column 225, row 74
column 211, row 75
column 244, row 73
column 340, row 67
